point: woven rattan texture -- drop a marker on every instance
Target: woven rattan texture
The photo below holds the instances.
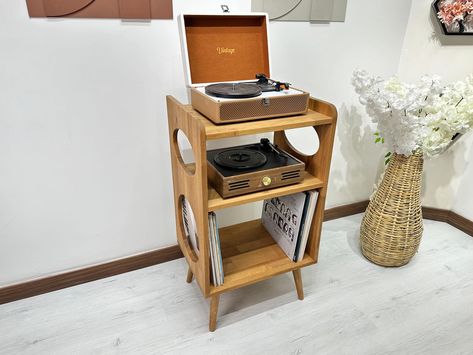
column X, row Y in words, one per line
column 391, row 229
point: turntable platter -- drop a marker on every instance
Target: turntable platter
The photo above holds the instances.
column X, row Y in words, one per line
column 240, row 159
column 233, row 90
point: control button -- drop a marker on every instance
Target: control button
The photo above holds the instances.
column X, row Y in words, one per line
column 266, row 181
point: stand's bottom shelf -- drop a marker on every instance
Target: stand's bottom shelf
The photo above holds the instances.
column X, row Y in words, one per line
column 251, row 255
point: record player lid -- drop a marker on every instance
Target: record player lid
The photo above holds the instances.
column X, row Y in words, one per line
column 226, row 47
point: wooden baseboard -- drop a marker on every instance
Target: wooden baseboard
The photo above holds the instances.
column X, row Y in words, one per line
column 436, row 214
column 461, row 223
column 450, row 217
column 87, row 274
column 345, row 210
column 92, row 273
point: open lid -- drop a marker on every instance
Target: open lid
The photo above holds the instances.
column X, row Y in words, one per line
column 219, row 48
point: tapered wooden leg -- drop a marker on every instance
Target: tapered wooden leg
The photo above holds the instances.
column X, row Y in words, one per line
column 298, row 281
column 190, row 275
column 213, row 312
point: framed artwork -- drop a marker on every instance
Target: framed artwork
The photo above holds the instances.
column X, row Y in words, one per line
column 123, row 9
column 455, row 16
column 302, row 10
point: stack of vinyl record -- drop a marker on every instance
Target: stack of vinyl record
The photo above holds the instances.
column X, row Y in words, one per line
column 191, row 233
column 215, row 252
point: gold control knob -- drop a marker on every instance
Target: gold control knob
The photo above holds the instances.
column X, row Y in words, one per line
column 266, row 181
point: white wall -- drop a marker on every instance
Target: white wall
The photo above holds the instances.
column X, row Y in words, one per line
column 321, row 58
column 84, row 165
column 447, row 178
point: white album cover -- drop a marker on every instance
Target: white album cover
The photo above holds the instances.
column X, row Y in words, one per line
column 304, row 235
column 281, row 217
column 190, row 226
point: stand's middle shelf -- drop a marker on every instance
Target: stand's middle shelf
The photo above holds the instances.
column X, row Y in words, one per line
column 216, row 202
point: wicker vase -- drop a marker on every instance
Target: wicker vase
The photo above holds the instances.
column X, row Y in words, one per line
column 391, row 229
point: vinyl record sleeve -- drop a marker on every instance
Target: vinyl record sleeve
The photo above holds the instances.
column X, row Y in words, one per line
column 218, row 258
column 213, row 270
column 282, row 218
column 190, row 226
column 312, row 198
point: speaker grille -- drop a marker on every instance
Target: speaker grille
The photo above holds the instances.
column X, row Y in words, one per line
column 295, row 174
column 281, row 106
column 237, row 185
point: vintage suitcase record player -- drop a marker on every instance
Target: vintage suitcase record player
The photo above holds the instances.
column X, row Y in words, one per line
column 253, row 167
column 229, row 51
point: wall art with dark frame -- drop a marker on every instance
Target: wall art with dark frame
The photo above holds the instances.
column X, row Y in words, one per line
column 454, row 16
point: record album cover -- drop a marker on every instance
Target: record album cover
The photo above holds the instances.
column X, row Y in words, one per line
column 282, row 218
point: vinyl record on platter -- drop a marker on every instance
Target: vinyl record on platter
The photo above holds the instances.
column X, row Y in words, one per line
column 240, row 159
column 233, row 90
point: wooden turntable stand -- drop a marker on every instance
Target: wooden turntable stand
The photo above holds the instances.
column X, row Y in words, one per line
column 249, row 253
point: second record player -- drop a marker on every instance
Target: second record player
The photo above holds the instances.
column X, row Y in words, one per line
column 228, row 69
column 253, row 167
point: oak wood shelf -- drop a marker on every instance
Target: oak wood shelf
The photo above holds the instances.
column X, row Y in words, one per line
column 248, row 251
column 213, row 131
column 216, row 202
column 250, row 255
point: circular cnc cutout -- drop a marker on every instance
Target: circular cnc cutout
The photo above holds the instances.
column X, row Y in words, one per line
column 188, row 227
column 184, row 151
column 303, row 140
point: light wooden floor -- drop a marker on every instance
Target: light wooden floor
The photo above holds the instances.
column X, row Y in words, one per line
column 351, row 307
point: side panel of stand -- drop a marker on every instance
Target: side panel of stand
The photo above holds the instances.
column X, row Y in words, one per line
column 190, row 182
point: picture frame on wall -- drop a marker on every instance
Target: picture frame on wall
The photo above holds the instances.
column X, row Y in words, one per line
column 121, row 9
column 454, row 16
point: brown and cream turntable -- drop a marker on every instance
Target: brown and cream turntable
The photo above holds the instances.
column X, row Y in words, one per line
column 231, row 50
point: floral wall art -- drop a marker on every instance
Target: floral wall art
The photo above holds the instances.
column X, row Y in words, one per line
column 455, row 16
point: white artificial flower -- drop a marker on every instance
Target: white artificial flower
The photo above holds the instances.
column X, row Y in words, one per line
column 425, row 115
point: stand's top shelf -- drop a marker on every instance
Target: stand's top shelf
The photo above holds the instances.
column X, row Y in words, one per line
column 213, row 131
